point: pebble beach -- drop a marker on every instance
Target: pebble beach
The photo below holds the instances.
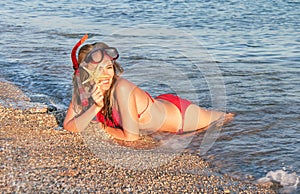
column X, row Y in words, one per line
column 38, row 156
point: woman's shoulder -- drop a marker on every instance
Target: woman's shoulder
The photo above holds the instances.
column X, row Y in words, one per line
column 123, row 83
column 124, row 87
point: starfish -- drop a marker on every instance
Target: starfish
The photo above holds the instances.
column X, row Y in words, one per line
column 94, row 75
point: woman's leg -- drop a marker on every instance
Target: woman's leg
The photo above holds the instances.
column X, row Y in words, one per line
column 197, row 118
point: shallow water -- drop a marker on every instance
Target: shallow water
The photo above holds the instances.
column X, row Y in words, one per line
column 253, row 47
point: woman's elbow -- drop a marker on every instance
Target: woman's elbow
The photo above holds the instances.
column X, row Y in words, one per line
column 131, row 137
column 68, row 126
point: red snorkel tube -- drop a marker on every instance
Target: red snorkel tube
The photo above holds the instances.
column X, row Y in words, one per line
column 82, row 93
column 74, row 50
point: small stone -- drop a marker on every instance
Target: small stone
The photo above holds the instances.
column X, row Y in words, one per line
column 51, row 108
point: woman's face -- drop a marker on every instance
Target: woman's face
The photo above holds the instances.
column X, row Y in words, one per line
column 103, row 73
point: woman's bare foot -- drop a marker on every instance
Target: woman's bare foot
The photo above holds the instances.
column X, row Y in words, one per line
column 225, row 119
column 228, row 117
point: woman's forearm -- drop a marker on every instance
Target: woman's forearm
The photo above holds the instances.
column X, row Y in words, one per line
column 78, row 124
column 121, row 134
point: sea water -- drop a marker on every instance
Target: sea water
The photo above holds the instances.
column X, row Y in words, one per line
column 253, row 59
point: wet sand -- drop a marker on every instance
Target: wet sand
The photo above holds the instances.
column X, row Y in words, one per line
column 38, row 156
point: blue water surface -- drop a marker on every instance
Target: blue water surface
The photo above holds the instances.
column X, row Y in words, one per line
column 254, row 45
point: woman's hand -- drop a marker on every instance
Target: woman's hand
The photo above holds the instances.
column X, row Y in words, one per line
column 97, row 95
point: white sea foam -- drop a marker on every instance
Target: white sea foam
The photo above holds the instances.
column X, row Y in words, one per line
column 288, row 181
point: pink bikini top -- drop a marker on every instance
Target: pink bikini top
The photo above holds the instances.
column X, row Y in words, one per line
column 116, row 118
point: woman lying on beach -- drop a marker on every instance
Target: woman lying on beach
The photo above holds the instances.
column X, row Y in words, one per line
column 123, row 109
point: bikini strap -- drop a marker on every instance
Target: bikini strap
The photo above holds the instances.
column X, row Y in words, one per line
column 152, row 100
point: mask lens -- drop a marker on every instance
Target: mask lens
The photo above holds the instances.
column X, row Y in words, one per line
column 95, row 57
column 112, row 52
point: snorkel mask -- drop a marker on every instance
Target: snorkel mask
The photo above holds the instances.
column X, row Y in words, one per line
column 94, row 57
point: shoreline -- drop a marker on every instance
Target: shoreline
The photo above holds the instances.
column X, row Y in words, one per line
column 36, row 157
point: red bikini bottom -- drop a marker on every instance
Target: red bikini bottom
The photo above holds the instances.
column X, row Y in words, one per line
column 180, row 103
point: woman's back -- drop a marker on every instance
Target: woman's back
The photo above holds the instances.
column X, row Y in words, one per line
column 156, row 114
